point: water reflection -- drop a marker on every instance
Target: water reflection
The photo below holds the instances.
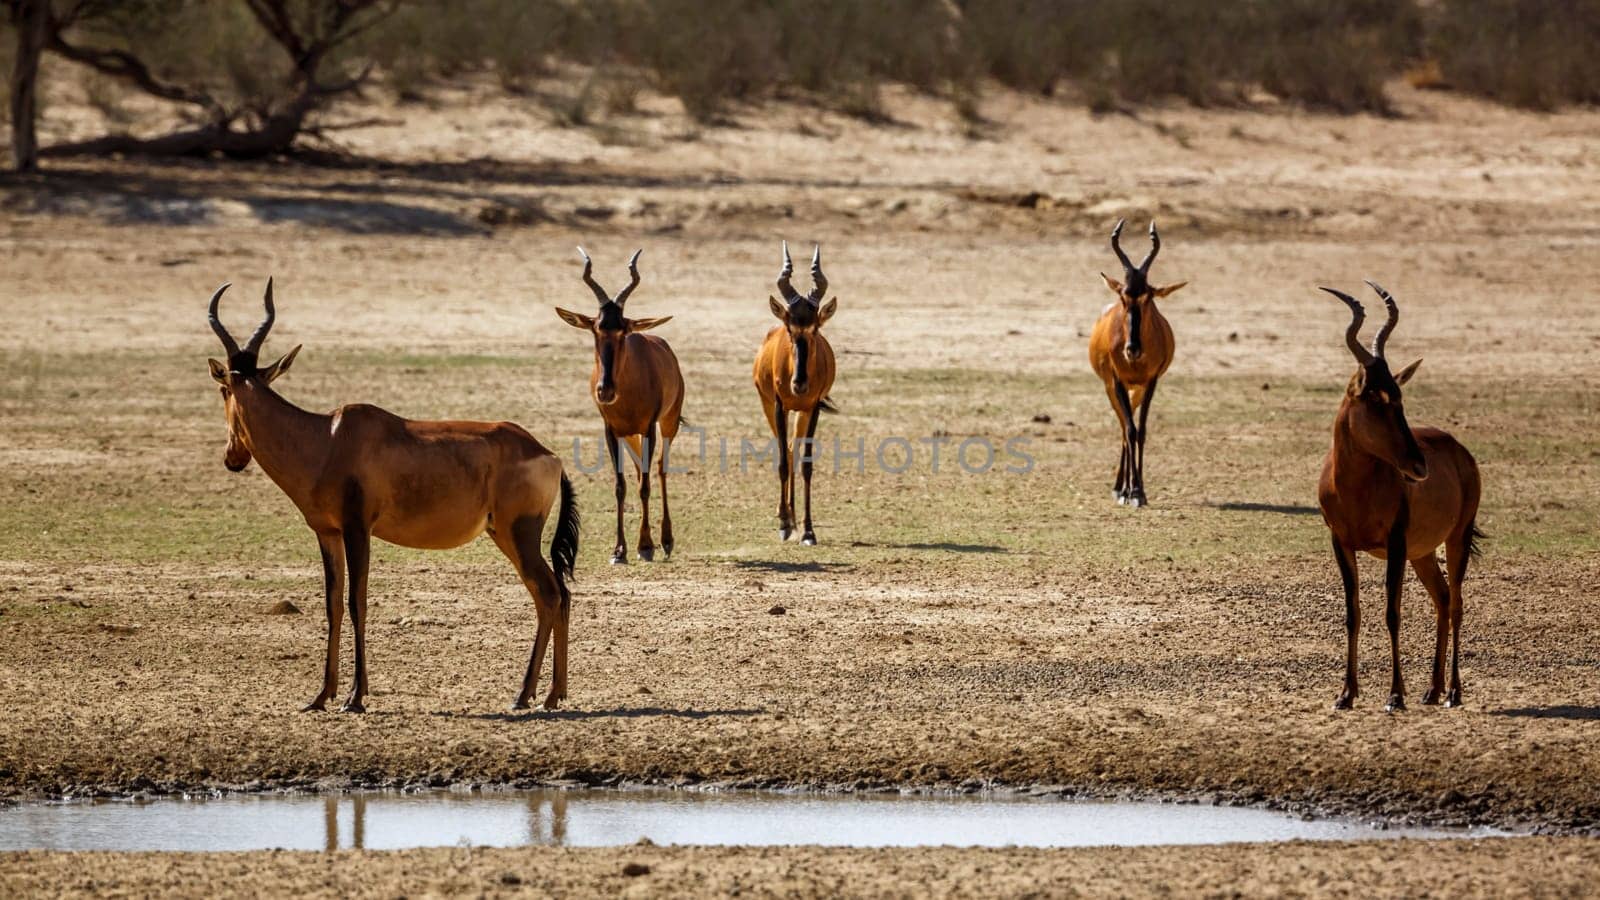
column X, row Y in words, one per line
column 598, row 818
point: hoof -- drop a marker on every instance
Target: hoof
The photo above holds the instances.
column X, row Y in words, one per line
column 552, row 702
column 519, row 705
column 317, row 705
column 1396, row 704
column 809, row 540
column 647, row 554
column 1122, row 499
column 784, row 533
column 1452, row 699
column 353, row 706
column 1431, row 698
column 666, row 547
column 620, row 558
column 1137, row 499
column 1345, row 701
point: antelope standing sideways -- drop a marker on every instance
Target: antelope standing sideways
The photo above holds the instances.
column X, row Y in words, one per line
column 638, row 389
column 361, row 472
column 793, row 373
column 1130, row 349
column 1397, row 493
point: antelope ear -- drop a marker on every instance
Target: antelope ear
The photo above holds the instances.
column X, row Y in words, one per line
column 1169, row 289
column 576, row 320
column 1358, row 382
column 1114, row 285
column 647, row 324
column 219, row 372
column 1406, row 373
column 778, row 309
column 827, row 311
column 281, row 366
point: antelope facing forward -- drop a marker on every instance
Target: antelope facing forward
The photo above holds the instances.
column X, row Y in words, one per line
column 361, row 473
column 1397, row 493
column 1130, row 349
column 793, row 373
column 638, row 389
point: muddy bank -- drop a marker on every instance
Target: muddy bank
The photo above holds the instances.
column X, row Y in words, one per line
column 1551, row 867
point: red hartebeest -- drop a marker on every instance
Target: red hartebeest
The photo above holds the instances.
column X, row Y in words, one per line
column 1397, row 493
column 361, row 472
column 638, row 389
column 793, row 373
column 1130, row 349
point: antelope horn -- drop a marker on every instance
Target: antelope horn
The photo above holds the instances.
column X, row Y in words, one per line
column 228, row 343
column 819, row 281
column 1352, row 335
column 1155, row 247
column 1382, row 340
column 633, row 270
column 784, row 287
column 1116, row 246
column 588, row 278
column 254, row 344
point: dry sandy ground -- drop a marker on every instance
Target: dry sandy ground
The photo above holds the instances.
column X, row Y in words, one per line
column 952, row 629
column 1533, row 867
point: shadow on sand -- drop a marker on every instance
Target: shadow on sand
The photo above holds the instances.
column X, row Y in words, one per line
column 1565, row 711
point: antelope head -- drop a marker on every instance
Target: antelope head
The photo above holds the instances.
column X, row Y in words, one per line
column 242, row 372
column 1372, row 406
column 1134, row 291
column 610, row 328
column 802, row 314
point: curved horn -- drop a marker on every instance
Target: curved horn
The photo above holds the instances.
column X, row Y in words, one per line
column 228, row 343
column 1352, row 335
column 784, row 287
column 254, row 344
column 819, row 281
column 633, row 270
column 1155, row 247
column 1382, row 340
column 588, row 278
column 1116, row 246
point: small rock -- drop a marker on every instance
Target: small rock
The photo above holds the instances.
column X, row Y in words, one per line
column 119, row 629
column 776, row 611
column 283, row 608
column 1265, row 386
column 644, row 690
column 634, row 870
column 510, row 878
column 1042, row 418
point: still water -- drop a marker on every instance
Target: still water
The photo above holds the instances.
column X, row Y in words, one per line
column 608, row 817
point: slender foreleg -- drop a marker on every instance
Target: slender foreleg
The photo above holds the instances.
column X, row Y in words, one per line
column 1352, row 622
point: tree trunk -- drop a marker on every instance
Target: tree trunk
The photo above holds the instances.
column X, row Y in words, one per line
column 31, row 19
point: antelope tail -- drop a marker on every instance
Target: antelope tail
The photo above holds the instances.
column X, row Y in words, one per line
column 564, row 548
column 826, row 405
column 1474, row 537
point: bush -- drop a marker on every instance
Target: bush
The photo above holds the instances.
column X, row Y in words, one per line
column 1533, row 53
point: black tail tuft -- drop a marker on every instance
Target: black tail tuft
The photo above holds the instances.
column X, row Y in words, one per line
column 564, row 548
column 1474, row 536
column 826, row 405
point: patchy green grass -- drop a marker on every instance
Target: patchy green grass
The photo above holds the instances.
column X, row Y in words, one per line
column 123, row 464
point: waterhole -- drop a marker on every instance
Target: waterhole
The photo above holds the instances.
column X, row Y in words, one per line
column 609, row 817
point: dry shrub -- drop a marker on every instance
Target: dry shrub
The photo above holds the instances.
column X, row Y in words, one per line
column 1539, row 54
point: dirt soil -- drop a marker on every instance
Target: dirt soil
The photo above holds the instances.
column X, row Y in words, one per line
column 953, row 630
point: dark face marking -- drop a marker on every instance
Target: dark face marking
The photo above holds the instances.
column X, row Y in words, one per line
column 1381, row 425
column 1134, row 347
column 610, row 328
column 241, row 366
column 802, row 321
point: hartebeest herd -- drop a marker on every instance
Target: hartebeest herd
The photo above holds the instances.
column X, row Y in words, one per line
column 1389, row 490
